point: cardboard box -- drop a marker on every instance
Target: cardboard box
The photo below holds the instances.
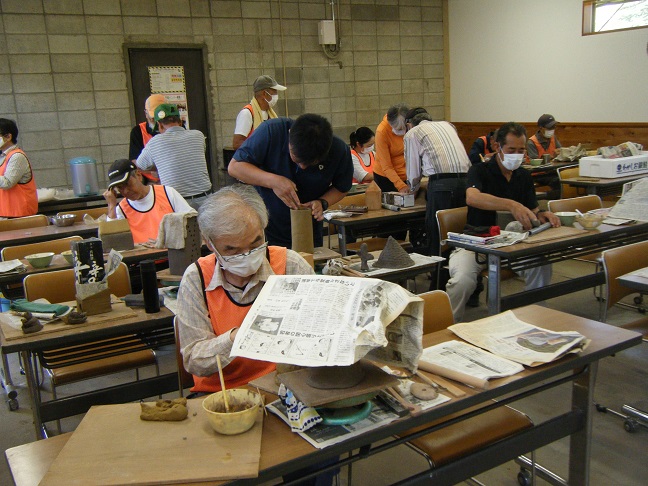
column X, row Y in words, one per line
column 613, row 168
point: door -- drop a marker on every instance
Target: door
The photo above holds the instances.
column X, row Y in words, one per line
column 187, row 60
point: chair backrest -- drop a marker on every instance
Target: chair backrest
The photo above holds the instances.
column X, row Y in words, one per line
column 451, row 220
column 582, row 203
column 20, row 251
column 185, row 379
column 25, row 222
column 79, row 213
column 437, row 311
column 565, row 189
column 58, row 286
column 619, row 261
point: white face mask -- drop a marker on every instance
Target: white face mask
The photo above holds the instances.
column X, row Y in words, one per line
column 368, row 149
column 273, row 99
column 512, row 161
column 548, row 133
column 243, row 264
column 400, row 132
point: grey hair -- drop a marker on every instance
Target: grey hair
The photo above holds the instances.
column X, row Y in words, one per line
column 226, row 212
column 394, row 111
column 421, row 117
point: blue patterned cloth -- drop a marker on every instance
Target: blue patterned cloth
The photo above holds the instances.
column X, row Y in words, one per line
column 300, row 416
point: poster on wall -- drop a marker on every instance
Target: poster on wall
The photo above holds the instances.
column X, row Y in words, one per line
column 170, row 82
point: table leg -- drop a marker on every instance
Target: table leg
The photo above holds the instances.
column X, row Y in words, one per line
column 7, row 383
column 494, row 290
column 34, row 396
column 580, row 442
column 342, row 240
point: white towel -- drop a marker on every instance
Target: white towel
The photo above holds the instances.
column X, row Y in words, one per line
column 173, row 230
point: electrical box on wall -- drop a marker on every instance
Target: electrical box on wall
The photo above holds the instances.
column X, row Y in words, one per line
column 327, row 32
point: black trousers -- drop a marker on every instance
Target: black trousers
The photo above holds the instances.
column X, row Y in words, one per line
column 442, row 193
column 388, row 186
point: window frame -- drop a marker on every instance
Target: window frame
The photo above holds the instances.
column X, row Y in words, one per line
column 589, row 7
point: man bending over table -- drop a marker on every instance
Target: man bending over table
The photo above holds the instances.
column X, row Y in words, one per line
column 497, row 185
column 217, row 292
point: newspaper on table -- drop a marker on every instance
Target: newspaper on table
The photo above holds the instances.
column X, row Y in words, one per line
column 509, row 337
column 505, row 238
column 12, row 266
column 634, row 203
column 318, row 320
column 323, row 435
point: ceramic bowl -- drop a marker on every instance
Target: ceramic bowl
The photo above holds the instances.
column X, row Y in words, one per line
column 535, row 162
column 590, row 221
column 567, row 218
column 63, row 219
column 68, row 256
column 40, row 260
column 244, row 405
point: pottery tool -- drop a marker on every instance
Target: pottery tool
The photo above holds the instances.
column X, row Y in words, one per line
column 222, row 382
column 414, row 409
column 442, row 384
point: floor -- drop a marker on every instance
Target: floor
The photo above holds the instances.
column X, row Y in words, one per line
column 618, row 457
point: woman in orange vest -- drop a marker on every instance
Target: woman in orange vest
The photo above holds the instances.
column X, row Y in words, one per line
column 18, row 195
column 217, row 292
column 143, row 206
column 362, row 145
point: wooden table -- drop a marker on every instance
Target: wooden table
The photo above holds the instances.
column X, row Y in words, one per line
column 54, row 206
column 523, row 256
column 46, row 233
column 155, row 329
column 381, row 221
column 283, row 452
column 600, row 186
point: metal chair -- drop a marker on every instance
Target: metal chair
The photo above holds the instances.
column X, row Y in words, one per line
column 455, row 441
column 617, row 262
column 66, row 365
column 20, row 251
column 567, row 191
column 24, row 222
column 79, row 213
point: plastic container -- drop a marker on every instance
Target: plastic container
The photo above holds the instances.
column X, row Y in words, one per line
column 149, row 286
column 85, row 181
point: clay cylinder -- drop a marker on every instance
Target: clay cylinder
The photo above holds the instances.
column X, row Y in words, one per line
column 301, row 230
column 373, row 196
column 149, row 286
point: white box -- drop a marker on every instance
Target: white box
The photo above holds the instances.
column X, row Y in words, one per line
column 327, row 32
column 612, row 168
column 398, row 199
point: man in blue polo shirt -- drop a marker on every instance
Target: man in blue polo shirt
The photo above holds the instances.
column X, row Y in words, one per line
column 294, row 163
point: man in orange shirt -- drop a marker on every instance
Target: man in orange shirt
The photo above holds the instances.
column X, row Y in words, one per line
column 389, row 170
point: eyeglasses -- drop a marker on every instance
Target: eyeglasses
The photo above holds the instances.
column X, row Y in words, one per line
column 240, row 256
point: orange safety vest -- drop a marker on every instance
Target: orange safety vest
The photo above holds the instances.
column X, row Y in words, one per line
column 146, row 224
column 146, row 136
column 21, row 199
column 368, row 168
column 551, row 150
column 249, row 107
column 487, row 149
column 225, row 315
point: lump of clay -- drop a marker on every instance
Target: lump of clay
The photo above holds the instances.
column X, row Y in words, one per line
column 393, row 256
column 74, row 317
column 165, row 410
column 30, row 324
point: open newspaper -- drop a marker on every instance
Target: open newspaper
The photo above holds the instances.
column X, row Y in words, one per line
column 507, row 336
column 634, row 203
column 317, row 320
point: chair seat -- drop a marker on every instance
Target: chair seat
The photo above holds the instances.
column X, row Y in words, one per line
column 465, row 437
column 375, row 244
column 103, row 366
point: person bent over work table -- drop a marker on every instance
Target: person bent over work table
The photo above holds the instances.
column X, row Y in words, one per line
column 497, row 185
column 217, row 291
column 293, row 164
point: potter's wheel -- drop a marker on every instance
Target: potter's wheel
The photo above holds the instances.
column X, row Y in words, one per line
column 346, row 415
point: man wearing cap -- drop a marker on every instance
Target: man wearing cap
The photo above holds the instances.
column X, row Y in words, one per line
column 544, row 141
column 143, row 206
column 18, row 195
column 258, row 110
column 293, row 164
column 178, row 155
column 145, row 131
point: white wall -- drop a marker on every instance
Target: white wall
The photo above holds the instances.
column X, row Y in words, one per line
column 517, row 59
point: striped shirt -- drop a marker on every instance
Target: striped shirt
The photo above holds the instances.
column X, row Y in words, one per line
column 433, row 148
column 179, row 157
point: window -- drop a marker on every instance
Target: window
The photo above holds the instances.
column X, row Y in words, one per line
column 613, row 15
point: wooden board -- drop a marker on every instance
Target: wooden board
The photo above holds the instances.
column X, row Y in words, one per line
column 113, row 446
column 119, row 312
column 554, row 234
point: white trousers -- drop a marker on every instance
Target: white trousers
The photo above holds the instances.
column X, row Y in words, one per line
column 464, row 270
